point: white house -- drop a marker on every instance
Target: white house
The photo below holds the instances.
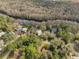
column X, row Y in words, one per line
column 39, row 32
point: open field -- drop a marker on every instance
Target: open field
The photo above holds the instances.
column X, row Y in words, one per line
column 40, row 9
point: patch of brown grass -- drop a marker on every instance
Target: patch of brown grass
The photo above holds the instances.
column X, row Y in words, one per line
column 39, row 9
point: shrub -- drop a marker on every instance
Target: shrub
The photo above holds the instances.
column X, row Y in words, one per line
column 42, row 26
column 66, row 36
column 57, row 43
column 77, row 36
column 8, row 37
column 48, row 36
column 31, row 52
column 6, row 23
column 56, row 47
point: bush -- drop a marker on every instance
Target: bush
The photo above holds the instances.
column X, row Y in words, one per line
column 48, row 36
column 77, row 36
column 42, row 26
column 60, row 50
column 6, row 23
column 31, row 52
column 57, row 49
column 8, row 37
column 66, row 36
column 57, row 43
